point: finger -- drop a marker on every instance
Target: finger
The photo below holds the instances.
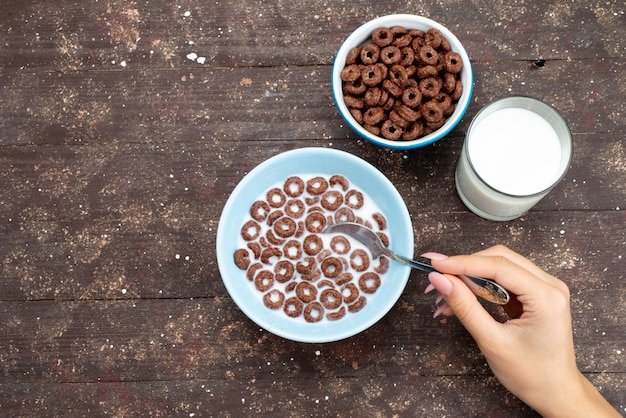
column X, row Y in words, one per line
column 462, row 302
column 501, row 250
column 512, row 276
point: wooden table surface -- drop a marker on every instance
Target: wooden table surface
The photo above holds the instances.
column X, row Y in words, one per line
column 118, row 151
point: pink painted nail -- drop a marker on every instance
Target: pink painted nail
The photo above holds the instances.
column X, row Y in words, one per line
column 440, row 310
column 441, row 283
column 429, row 289
column 434, row 256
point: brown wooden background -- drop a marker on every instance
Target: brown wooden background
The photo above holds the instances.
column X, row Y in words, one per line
column 117, row 154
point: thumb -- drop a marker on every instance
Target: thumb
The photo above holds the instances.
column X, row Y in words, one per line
column 464, row 305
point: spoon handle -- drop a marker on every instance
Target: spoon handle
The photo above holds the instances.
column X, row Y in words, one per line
column 483, row 288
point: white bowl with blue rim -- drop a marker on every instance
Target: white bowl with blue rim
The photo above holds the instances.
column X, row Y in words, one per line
column 361, row 36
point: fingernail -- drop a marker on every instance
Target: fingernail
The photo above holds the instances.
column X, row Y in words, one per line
column 439, row 310
column 438, row 300
column 429, row 289
column 440, row 282
column 434, row 256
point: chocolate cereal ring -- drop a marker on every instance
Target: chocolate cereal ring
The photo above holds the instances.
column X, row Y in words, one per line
column 314, row 312
column 350, row 293
column 372, row 75
column 252, row 270
column 274, row 299
column 351, row 73
column 343, row 278
column 372, row 96
column 325, row 283
column 412, row 96
column 331, row 298
column 242, row 258
column 358, row 305
column 355, row 88
column 383, row 265
column 259, row 210
column 275, row 197
column 426, row 71
column 306, row 266
column 273, row 239
column 354, row 102
column 403, row 40
column 390, row 130
column 293, row 307
column 353, row 56
column 408, row 56
column 369, row 282
column 433, row 37
column 344, row 214
column 294, row 186
column 306, row 292
column 315, row 222
column 359, row 260
column 408, row 114
column 250, row 230
column 285, row 227
column 443, row 100
column 430, row 87
column 449, row 82
column 284, row 271
column 340, row 180
column 431, row 111
column 370, row 53
column 390, row 55
column 354, row 199
column 382, row 37
column 397, row 74
column 337, row 315
column 380, row 220
column 294, row 208
column 398, row 120
column 414, row 131
column 393, row 89
column 458, row 91
column 452, row 62
column 317, row 185
column 264, row 280
column 428, row 55
column 374, row 115
column 323, row 254
column 357, row 115
column 312, row 244
column 273, row 216
column 340, row 244
column 332, row 267
column 255, row 247
column 292, row 249
column 270, row 253
column 331, row 200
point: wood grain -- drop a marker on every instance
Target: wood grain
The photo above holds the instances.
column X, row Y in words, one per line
column 119, row 150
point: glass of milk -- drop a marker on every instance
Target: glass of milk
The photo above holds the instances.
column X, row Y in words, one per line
column 516, row 150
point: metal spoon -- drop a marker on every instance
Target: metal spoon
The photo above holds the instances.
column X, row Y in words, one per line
column 483, row 288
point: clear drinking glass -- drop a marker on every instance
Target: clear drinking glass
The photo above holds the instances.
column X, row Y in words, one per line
column 515, row 151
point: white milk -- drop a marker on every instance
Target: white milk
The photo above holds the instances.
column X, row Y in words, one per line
column 515, row 151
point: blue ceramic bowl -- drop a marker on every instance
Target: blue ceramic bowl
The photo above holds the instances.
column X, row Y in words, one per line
column 360, row 37
column 305, row 162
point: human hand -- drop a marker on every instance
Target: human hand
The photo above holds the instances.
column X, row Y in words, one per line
column 531, row 355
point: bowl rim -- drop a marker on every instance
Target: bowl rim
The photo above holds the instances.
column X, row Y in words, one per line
column 359, row 36
column 309, row 161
